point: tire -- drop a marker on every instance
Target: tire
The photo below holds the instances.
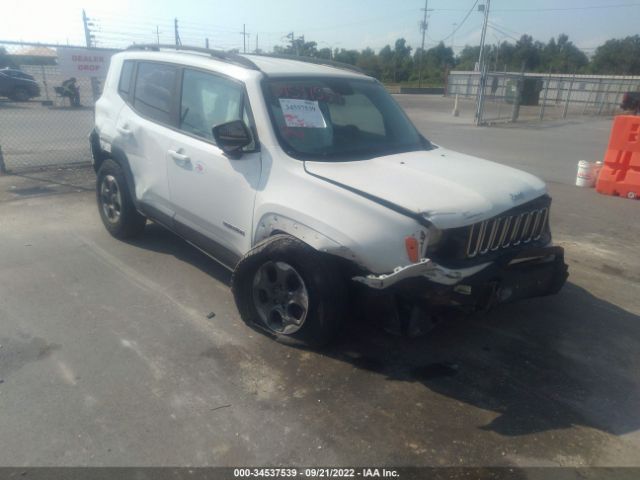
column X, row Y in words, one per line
column 270, row 284
column 117, row 210
column 20, row 94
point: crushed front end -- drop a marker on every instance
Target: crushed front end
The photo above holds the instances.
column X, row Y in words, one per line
column 502, row 259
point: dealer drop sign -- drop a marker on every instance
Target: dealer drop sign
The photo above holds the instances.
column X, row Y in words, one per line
column 84, row 62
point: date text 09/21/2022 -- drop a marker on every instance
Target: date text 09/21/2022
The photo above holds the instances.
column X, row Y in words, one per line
column 315, row 473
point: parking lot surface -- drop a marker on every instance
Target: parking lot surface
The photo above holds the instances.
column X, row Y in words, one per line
column 117, row 353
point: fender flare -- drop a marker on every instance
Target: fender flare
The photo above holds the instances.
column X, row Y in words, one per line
column 272, row 223
column 118, row 156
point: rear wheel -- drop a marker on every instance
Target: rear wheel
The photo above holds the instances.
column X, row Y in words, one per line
column 288, row 290
column 117, row 211
column 20, row 94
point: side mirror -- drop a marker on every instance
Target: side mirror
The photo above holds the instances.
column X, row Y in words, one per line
column 232, row 137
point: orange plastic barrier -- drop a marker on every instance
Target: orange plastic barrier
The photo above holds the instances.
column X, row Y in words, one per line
column 620, row 174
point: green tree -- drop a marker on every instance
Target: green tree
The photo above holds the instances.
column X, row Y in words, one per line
column 467, row 58
column 618, row 56
column 346, row 56
column 402, row 61
column 385, row 58
column 325, row 53
column 298, row 47
column 370, row 63
column 435, row 62
column 562, row 56
column 527, row 53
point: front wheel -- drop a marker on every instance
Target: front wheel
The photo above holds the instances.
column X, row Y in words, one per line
column 285, row 288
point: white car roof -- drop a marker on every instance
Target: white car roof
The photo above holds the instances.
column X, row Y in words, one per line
column 275, row 66
column 271, row 66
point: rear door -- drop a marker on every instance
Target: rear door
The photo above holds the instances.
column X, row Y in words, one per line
column 212, row 193
column 143, row 129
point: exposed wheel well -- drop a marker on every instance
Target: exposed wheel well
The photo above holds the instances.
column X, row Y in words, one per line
column 118, row 156
column 345, row 266
column 98, row 155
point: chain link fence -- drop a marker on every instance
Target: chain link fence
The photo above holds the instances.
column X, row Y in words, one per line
column 510, row 97
column 39, row 124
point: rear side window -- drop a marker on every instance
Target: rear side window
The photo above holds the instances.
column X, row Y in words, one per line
column 125, row 78
column 155, row 84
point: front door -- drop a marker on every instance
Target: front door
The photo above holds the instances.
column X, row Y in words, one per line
column 212, row 194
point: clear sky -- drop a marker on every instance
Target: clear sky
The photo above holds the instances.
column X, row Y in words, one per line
column 331, row 23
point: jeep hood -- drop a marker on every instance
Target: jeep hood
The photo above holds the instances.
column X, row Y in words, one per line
column 449, row 189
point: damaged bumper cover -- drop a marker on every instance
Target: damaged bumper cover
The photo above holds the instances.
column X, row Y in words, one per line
column 528, row 273
column 424, row 268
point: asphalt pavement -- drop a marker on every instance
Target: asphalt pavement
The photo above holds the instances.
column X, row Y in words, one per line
column 132, row 353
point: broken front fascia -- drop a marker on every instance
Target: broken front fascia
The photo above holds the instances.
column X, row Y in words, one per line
column 426, row 268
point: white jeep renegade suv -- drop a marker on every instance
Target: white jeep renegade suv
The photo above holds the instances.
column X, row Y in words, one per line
column 310, row 183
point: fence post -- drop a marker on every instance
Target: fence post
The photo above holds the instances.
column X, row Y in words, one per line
column 480, row 97
column 3, row 167
column 95, row 90
column 446, row 80
column 504, row 92
column 544, row 98
column 44, row 82
column 515, row 113
column 616, row 100
column 566, row 103
column 605, row 97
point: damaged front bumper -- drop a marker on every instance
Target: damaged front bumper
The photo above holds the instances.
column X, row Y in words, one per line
column 529, row 273
column 424, row 268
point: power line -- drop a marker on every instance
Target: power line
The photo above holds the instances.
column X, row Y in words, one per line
column 493, row 27
column 461, row 22
column 562, row 9
column 501, row 28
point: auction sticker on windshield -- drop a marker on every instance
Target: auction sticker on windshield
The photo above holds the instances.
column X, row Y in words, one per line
column 302, row 113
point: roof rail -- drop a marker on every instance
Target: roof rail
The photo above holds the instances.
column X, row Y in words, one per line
column 232, row 58
column 316, row 60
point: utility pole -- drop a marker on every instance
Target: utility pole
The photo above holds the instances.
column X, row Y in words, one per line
column 481, row 66
column 423, row 27
column 176, row 33
column 157, row 35
column 206, row 43
column 244, row 38
column 87, row 32
column 257, row 49
column 87, row 37
column 484, row 34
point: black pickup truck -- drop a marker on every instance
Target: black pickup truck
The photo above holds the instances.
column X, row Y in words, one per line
column 631, row 102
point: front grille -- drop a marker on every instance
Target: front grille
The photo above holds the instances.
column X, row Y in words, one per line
column 506, row 231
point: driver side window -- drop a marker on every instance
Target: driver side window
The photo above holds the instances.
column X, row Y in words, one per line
column 208, row 100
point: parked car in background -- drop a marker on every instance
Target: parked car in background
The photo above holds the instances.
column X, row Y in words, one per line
column 631, row 102
column 17, row 85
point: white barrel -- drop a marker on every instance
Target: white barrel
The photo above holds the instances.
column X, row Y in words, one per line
column 587, row 173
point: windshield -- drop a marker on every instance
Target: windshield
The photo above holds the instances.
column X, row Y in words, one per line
column 336, row 119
